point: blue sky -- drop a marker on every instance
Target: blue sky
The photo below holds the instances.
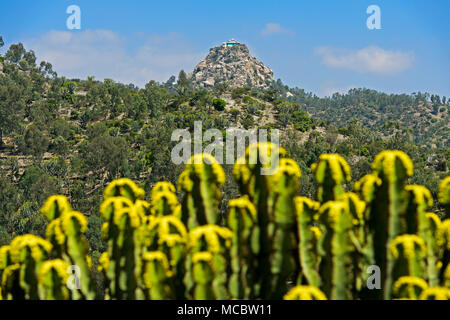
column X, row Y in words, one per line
column 321, row 46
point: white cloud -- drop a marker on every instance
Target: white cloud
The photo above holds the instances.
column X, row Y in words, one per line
column 106, row 54
column 275, row 28
column 371, row 59
column 330, row 91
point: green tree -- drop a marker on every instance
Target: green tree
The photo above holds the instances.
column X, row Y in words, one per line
column 156, row 99
column 60, row 146
column 234, row 113
column 219, row 104
column 37, row 185
column 9, row 198
column 15, row 53
column 106, row 153
column 184, row 85
column 35, row 141
column 13, row 98
column 62, row 128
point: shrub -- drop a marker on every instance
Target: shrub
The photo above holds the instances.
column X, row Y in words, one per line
column 219, row 104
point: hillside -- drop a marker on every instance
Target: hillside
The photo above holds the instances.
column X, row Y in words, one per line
column 72, row 136
column 231, row 64
column 427, row 117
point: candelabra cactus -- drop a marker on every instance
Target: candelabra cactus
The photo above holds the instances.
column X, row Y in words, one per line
column 386, row 220
column 336, row 249
column 215, row 240
column 7, row 279
column 444, row 195
column 366, row 188
column 408, row 252
column 201, row 180
column 5, row 257
column 203, row 275
column 10, row 285
column 409, row 287
column 122, row 232
column 242, row 223
column 309, row 235
column 163, row 249
column 331, row 172
column 250, row 173
column 65, row 232
column 20, row 279
column 358, row 237
column 285, row 186
column 164, row 200
column 418, row 199
column 433, row 252
column 124, row 262
column 53, row 277
column 156, row 275
column 443, row 241
column 124, row 188
column 168, row 235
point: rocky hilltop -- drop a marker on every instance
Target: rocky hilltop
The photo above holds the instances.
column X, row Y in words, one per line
column 231, row 63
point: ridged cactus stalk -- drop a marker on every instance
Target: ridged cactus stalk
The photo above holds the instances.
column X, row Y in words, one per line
column 168, row 235
column 408, row 252
column 164, row 199
column 387, row 212
column 250, row 173
column 285, row 186
column 357, row 236
column 203, row 273
column 336, row 250
column 157, row 275
column 216, row 241
column 65, row 232
column 330, row 172
column 53, row 278
column 444, row 195
column 409, row 287
column 443, row 241
column 200, row 181
column 434, row 263
column 121, row 230
column 309, row 234
column 242, row 222
column 20, row 278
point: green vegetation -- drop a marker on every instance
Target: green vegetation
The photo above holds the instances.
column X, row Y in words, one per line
column 219, row 104
column 73, row 137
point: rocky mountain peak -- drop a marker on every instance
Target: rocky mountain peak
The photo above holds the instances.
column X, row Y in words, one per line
column 232, row 63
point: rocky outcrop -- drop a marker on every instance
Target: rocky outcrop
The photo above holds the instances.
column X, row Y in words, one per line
column 233, row 65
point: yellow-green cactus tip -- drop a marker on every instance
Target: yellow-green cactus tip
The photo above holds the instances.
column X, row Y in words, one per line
column 305, row 293
column 124, row 187
column 386, row 162
column 444, row 191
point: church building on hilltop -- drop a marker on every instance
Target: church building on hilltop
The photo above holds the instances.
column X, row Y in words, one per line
column 230, row 43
